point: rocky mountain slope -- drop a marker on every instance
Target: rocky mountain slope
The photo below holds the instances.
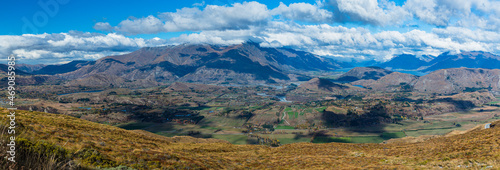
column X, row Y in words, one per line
column 63, row 68
column 466, row 59
column 445, row 81
column 242, row 63
column 456, row 80
column 404, row 61
column 316, row 84
column 395, row 81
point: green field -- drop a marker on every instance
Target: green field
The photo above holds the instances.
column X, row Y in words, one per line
column 284, row 127
column 321, row 109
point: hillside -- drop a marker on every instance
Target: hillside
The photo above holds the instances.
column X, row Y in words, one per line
column 456, row 80
column 395, row 81
column 321, row 84
column 242, row 63
column 445, row 81
column 72, row 143
column 4, row 69
column 110, row 81
column 473, row 59
column 183, row 87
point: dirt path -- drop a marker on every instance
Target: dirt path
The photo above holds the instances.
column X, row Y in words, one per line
column 284, row 114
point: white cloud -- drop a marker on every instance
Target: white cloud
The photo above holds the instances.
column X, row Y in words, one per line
column 463, row 25
column 467, row 13
column 303, row 12
column 42, row 48
column 354, row 42
column 148, row 25
column 461, row 34
column 212, row 17
column 368, row 11
column 429, row 11
column 103, row 26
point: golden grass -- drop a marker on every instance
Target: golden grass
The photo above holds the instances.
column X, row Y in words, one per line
column 477, row 148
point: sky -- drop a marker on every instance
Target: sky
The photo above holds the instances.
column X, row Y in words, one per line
column 59, row 31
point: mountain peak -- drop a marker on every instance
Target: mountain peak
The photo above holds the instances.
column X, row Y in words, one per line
column 242, row 63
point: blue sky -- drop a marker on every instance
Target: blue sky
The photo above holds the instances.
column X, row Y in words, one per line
column 58, row 31
column 82, row 15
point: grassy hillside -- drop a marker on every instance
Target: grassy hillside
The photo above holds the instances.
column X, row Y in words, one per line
column 58, row 141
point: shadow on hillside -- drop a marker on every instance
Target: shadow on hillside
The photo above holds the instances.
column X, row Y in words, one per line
column 376, row 116
column 245, row 115
column 198, row 134
column 459, row 104
column 151, row 127
column 374, row 121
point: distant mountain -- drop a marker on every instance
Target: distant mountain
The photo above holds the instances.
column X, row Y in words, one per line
column 475, row 59
column 63, row 68
column 24, row 78
column 29, row 68
column 444, row 81
column 242, row 63
column 363, row 73
column 4, row 69
column 457, row 80
column 318, row 87
column 404, row 61
column 466, row 59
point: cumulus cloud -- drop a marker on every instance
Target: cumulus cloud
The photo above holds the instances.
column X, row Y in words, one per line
column 212, row 17
column 443, row 12
column 148, row 25
column 429, row 11
column 51, row 48
column 455, row 25
column 103, row 26
column 368, row 11
column 360, row 43
column 483, row 14
column 303, row 12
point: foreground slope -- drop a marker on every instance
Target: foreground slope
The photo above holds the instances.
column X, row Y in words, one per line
column 91, row 145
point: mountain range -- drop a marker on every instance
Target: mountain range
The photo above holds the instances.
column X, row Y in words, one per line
column 474, row 59
column 242, row 63
column 444, row 81
column 249, row 63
